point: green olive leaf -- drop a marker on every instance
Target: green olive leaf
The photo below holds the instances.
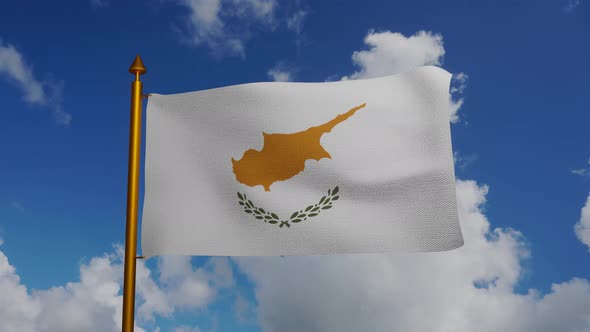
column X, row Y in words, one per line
column 325, row 203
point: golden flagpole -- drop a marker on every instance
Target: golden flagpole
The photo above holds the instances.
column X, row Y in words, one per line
column 137, row 68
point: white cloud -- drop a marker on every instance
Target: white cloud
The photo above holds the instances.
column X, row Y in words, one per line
column 468, row 289
column 92, row 304
column 582, row 171
column 582, row 227
column 462, row 161
column 45, row 94
column 392, row 53
column 282, row 72
column 222, row 272
column 186, row 329
column 98, row 3
column 461, row 79
column 13, row 66
column 244, row 310
column 95, row 302
column 263, row 10
column 458, row 85
column 17, row 309
column 295, row 22
column 572, row 5
column 279, row 75
column 207, row 23
column 154, row 299
column 18, row 206
column 185, row 287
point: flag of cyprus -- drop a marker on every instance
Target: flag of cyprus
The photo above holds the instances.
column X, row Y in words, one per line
column 361, row 166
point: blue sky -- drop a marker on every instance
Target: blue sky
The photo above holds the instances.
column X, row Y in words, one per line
column 520, row 139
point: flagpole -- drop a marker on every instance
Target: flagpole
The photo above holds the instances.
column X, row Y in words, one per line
column 137, row 68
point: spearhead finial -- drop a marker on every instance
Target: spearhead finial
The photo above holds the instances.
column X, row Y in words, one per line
column 137, row 66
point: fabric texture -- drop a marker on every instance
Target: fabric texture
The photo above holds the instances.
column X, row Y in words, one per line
column 266, row 169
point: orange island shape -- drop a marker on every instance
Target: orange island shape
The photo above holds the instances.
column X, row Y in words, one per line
column 283, row 155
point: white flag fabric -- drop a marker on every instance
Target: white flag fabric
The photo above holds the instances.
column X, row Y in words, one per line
column 265, row 169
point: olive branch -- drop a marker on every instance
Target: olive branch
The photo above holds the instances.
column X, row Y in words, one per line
column 325, row 203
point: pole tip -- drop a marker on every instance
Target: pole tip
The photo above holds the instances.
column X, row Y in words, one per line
column 137, row 66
